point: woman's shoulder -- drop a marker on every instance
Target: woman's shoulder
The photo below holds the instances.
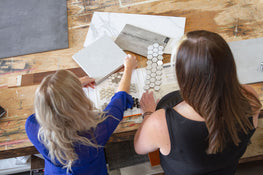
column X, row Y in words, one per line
column 157, row 118
column 31, row 123
column 31, row 119
column 155, row 121
column 159, row 129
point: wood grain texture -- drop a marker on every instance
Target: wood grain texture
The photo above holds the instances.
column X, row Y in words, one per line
column 233, row 19
column 154, row 158
column 36, row 78
column 137, row 40
column 23, row 151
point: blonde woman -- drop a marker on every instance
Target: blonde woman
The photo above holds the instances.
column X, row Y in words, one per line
column 66, row 128
column 205, row 127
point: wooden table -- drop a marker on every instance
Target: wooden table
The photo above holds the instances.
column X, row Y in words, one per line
column 233, row 19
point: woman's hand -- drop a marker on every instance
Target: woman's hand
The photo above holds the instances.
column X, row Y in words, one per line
column 130, row 62
column 87, row 82
column 147, row 102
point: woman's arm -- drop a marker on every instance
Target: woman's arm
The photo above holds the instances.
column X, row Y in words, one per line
column 151, row 134
column 130, row 63
column 118, row 104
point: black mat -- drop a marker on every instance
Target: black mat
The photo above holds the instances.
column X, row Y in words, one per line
column 122, row 154
column 30, row 26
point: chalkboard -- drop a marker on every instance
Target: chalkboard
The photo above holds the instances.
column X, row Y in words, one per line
column 30, row 26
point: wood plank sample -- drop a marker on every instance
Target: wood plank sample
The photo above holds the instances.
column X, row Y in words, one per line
column 154, row 158
column 36, row 78
column 137, row 40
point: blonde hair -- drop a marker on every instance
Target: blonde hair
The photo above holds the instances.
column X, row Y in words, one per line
column 63, row 111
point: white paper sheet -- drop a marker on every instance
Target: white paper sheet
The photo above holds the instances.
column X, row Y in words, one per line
column 111, row 24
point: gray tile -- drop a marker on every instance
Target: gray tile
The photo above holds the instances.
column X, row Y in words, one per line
column 30, row 26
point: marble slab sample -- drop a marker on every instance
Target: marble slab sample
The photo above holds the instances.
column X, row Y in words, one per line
column 30, row 26
column 248, row 56
column 137, row 40
column 113, row 23
column 101, row 58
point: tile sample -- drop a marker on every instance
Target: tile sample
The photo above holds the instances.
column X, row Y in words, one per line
column 154, row 68
column 113, row 23
column 30, row 26
column 248, row 56
column 137, row 40
column 101, row 58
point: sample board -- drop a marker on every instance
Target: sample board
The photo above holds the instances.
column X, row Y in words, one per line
column 36, row 78
column 30, row 26
column 103, row 92
column 248, row 56
column 101, row 58
column 112, row 24
column 137, row 40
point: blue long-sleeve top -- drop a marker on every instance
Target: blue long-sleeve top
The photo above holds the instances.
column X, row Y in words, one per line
column 91, row 160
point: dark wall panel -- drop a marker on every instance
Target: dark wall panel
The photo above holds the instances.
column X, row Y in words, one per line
column 30, row 26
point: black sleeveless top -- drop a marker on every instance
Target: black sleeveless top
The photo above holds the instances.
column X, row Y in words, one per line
column 189, row 143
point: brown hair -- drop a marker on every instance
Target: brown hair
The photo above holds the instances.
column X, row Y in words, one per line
column 207, row 77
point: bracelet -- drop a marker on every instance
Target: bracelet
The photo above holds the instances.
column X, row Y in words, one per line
column 146, row 113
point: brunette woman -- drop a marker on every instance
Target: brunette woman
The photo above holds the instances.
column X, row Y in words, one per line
column 206, row 126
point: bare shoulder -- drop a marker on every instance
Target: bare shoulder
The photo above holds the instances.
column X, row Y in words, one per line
column 158, row 117
column 161, row 132
column 156, row 123
column 149, row 136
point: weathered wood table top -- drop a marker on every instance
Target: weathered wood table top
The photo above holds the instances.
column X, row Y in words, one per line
column 233, row 19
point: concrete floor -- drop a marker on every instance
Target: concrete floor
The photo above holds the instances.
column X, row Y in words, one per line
column 251, row 168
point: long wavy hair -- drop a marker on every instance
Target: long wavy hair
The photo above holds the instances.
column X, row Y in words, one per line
column 63, row 111
column 207, row 77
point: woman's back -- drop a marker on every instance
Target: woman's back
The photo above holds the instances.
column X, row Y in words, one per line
column 189, row 141
column 68, row 130
column 88, row 157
